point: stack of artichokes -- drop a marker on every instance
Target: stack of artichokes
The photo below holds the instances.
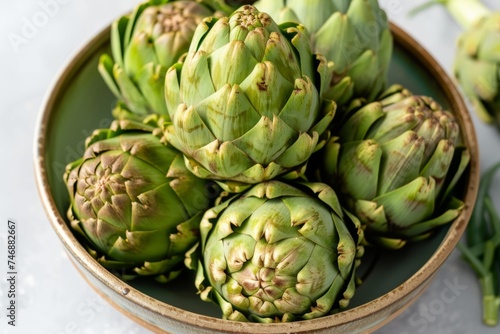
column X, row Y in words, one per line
column 262, row 149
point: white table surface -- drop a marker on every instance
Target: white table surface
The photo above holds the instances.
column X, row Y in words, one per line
column 52, row 296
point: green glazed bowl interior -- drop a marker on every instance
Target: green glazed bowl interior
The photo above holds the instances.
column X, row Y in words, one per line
column 80, row 102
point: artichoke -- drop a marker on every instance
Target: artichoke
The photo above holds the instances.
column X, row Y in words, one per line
column 396, row 162
column 279, row 252
column 245, row 104
column 477, row 60
column 134, row 203
column 477, row 67
column 144, row 45
column 354, row 34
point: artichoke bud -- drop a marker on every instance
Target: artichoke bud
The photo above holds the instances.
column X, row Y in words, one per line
column 145, row 44
column 355, row 35
column 396, row 161
column 134, row 203
column 169, row 28
column 227, row 123
column 476, row 67
column 279, row 252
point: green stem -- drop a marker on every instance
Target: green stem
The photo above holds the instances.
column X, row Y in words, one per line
column 489, row 255
column 483, row 234
column 485, row 231
column 220, row 5
column 474, row 262
column 478, row 250
column 490, row 301
column 495, row 220
column 475, row 235
column 466, row 12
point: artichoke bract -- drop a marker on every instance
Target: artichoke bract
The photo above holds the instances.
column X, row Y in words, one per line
column 245, row 104
column 134, row 203
column 354, row 34
column 144, row 45
column 396, row 162
column 279, row 252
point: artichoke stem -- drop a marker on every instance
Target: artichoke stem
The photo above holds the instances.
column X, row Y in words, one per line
column 466, row 12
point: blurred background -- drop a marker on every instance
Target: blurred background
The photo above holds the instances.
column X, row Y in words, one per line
column 38, row 37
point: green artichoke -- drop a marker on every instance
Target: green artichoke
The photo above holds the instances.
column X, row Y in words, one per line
column 144, row 45
column 279, row 252
column 245, row 104
column 134, row 203
column 477, row 60
column 354, row 34
column 396, row 161
column 477, row 67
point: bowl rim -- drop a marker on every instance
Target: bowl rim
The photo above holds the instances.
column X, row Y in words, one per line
column 418, row 279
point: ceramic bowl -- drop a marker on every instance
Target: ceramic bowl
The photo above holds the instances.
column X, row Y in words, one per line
column 79, row 102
